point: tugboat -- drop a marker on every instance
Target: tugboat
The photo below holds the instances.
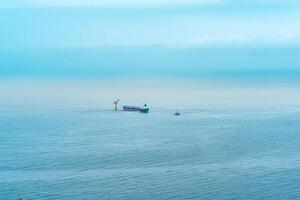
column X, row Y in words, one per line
column 144, row 109
column 177, row 113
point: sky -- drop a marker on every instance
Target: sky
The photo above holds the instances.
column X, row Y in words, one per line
column 156, row 38
column 179, row 23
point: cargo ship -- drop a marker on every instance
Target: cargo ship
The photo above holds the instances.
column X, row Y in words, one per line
column 144, row 109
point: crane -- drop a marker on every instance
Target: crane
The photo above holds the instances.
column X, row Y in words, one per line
column 116, row 104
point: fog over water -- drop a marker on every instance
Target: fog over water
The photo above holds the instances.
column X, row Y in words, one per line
column 162, row 93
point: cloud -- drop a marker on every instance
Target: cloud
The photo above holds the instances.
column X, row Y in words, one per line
column 146, row 26
column 149, row 3
column 142, row 2
column 106, row 2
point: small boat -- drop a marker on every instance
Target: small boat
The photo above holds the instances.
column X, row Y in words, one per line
column 144, row 109
column 177, row 113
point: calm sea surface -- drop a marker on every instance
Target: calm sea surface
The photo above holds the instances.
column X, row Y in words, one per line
column 93, row 153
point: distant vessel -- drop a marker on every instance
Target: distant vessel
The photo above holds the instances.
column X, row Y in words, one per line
column 144, row 109
column 177, row 113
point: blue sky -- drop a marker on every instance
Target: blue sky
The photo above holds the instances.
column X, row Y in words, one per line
column 110, row 37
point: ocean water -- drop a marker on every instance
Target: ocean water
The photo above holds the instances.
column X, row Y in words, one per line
column 97, row 153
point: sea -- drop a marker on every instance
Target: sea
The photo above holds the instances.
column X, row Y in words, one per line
column 94, row 152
